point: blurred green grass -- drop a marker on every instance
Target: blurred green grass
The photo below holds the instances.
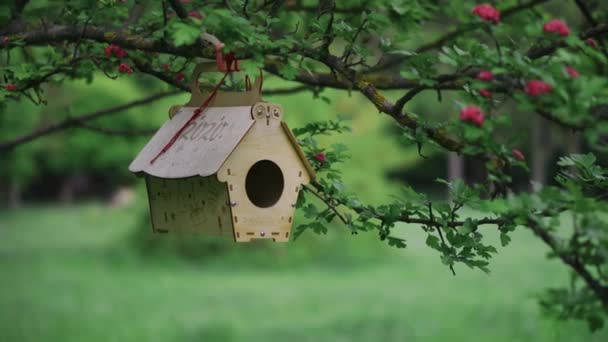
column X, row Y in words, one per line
column 67, row 275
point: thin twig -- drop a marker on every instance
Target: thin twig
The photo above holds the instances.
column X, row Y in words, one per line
column 74, row 121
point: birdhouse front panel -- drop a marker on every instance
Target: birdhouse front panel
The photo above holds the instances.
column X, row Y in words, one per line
column 189, row 205
column 265, row 174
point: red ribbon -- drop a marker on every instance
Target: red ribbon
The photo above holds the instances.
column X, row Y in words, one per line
column 224, row 63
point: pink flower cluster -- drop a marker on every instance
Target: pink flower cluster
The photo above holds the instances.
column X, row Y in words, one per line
column 572, row 72
column 557, row 26
column 487, row 13
column 195, row 14
column 485, row 76
column 518, row 154
column 320, row 157
column 592, row 42
column 115, row 50
column 472, row 114
column 535, row 88
column 125, row 68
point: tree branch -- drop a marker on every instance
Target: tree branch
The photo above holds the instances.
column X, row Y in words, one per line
column 553, row 118
column 385, row 106
column 586, row 12
column 123, row 37
column 145, row 67
column 600, row 291
column 75, row 121
column 117, row 132
column 541, row 51
column 178, row 8
column 396, row 60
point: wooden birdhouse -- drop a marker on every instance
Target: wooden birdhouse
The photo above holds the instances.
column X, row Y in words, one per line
column 236, row 170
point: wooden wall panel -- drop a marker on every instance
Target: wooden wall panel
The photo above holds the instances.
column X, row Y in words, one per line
column 189, row 205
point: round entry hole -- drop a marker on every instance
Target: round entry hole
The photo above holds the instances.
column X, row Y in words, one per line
column 264, row 183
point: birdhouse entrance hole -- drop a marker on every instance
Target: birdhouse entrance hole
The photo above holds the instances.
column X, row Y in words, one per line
column 264, row 184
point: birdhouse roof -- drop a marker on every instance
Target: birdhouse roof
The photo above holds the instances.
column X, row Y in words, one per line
column 203, row 146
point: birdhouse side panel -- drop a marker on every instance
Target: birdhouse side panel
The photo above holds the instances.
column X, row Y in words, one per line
column 189, row 205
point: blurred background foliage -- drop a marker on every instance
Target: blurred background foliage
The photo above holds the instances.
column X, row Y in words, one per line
column 79, row 268
column 79, row 263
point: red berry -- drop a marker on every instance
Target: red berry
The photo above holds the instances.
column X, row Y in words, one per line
column 195, row 14
column 10, row 87
column 485, row 93
column 320, row 157
column 572, row 72
column 485, row 75
column 115, row 50
column 6, row 39
column 487, row 13
column 517, row 153
column 472, row 114
column 557, row 26
column 125, row 68
column 179, row 76
column 119, row 52
column 536, row 88
column 592, row 42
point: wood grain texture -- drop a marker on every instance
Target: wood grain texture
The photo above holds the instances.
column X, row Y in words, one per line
column 266, row 140
column 189, row 205
column 202, row 147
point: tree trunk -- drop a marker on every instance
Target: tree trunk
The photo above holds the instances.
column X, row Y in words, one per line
column 541, row 150
column 455, row 167
column 14, row 195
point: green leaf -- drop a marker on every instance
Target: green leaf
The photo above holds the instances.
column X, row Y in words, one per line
column 504, row 239
column 396, row 242
column 183, row 34
column 433, row 242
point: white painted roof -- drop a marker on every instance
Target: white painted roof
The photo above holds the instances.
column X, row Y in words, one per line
column 201, row 149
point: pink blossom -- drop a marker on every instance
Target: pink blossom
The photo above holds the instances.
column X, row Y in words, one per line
column 125, row 68
column 195, row 14
column 557, row 26
column 518, row 154
column 485, row 75
column 10, row 87
column 536, row 88
column 115, row 50
column 592, row 42
column 472, row 114
column 320, row 157
column 572, row 72
column 485, row 93
column 487, row 12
